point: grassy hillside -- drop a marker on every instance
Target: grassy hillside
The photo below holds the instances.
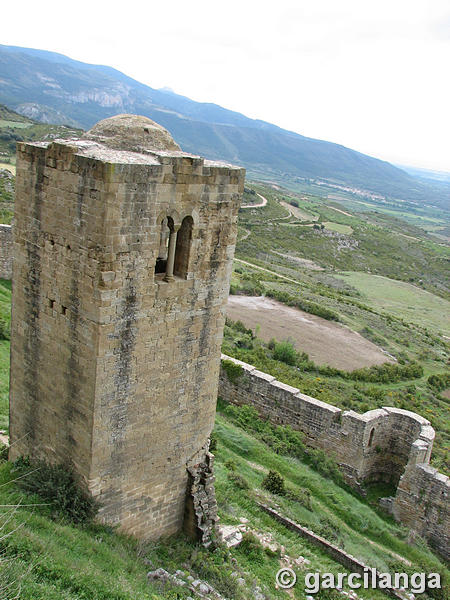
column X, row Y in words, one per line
column 52, row 558
column 17, row 128
column 386, row 279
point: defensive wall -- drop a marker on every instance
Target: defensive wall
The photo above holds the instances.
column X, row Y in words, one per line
column 383, row 445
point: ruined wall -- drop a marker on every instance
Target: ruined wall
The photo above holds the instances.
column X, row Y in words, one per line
column 6, row 252
column 113, row 369
column 386, row 444
column 422, row 500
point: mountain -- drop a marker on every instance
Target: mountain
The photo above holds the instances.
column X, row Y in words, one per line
column 51, row 87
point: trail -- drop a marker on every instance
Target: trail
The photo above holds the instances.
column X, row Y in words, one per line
column 340, row 211
column 244, row 262
column 261, row 204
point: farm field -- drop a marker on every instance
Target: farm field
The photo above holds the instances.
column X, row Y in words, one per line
column 326, row 342
column 402, row 300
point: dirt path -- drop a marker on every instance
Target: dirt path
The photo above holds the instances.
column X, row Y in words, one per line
column 326, row 342
column 263, row 203
column 245, row 236
column 340, row 211
column 299, row 213
column 244, row 262
column 304, row 262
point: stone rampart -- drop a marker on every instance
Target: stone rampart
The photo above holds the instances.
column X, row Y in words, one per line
column 386, row 444
column 5, row 252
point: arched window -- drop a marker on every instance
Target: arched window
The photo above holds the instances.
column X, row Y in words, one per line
column 183, row 248
column 166, row 226
column 372, row 431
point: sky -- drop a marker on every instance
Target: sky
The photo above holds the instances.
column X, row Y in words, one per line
column 372, row 75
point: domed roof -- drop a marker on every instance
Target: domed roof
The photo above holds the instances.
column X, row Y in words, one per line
column 133, row 133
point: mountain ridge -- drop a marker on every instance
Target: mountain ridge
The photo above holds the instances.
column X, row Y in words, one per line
column 47, row 85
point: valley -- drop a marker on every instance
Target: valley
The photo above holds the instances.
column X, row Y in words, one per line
column 340, row 297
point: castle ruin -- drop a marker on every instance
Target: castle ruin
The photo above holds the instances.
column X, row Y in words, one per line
column 123, row 249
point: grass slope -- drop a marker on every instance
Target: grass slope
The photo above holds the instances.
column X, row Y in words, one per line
column 402, row 300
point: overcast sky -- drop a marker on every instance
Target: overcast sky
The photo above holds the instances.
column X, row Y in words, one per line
column 372, row 75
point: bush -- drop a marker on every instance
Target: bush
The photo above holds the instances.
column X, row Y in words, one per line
column 238, row 480
column 387, row 373
column 57, row 486
column 303, row 497
column 310, row 307
column 252, row 548
column 324, row 464
column 439, row 381
column 213, row 442
column 274, row 483
column 285, row 352
column 281, row 438
column 232, row 370
column 4, row 452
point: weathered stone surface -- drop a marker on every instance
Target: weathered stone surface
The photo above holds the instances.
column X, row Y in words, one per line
column 114, row 370
column 132, row 132
column 6, row 252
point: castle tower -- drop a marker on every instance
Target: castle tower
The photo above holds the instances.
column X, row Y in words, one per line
column 123, row 248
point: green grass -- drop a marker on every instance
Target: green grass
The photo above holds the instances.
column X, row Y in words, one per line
column 402, row 300
column 53, row 559
column 14, row 124
column 339, row 227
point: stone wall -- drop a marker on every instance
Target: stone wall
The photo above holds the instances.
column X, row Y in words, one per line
column 386, row 444
column 6, row 252
column 114, row 367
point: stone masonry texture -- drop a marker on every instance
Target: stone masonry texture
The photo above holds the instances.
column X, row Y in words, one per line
column 386, row 444
column 114, row 367
column 6, row 253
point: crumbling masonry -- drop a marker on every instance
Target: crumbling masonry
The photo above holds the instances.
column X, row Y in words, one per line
column 123, row 248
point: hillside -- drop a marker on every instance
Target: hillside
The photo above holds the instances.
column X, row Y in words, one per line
column 49, row 557
column 53, row 88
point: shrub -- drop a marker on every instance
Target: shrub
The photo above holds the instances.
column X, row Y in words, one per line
column 216, row 568
column 252, row 548
column 230, row 465
column 56, row 485
column 213, row 442
column 232, row 370
column 324, row 464
column 4, row 451
column 303, row 497
column 439, row 381
column 238, row 480
column 274, row 483
column 285, row 352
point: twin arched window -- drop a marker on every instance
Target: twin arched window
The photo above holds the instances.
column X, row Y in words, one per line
column 174, row 248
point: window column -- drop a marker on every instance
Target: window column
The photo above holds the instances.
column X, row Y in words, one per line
column 171, row 255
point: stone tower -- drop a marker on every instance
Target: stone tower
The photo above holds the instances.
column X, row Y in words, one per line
column 123, row 248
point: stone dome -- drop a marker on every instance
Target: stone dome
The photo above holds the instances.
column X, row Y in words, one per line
column 133, row 133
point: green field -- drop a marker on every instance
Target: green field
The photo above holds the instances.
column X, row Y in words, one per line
column 402, row 300
column 339, row 227
column 14, row 124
